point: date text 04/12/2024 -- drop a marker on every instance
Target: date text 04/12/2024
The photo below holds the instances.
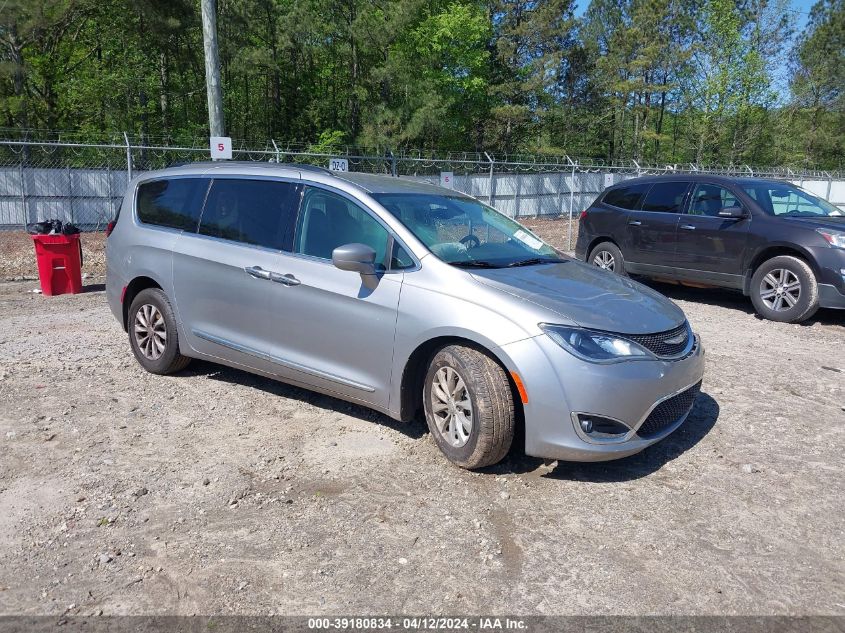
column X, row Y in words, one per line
column 417, row 623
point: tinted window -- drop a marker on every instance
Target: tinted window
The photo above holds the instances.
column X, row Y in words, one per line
column 257, row 212
column 626, row 197
column 710, row 199
column 328, row 220
column 174, row 203
column 665, row 197
column 401, row 258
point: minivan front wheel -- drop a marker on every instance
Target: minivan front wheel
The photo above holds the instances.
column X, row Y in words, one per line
column 469, row 406
column 152, row 333
column 785, row 289
column 607, row 256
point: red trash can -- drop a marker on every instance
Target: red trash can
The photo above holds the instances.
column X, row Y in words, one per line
column 59, row 263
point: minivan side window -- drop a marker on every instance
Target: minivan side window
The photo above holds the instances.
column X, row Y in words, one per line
column 328, row 220
column 173, row 203
column 255, row 212
column 666, row 197
column 710, row 199
column 401, row 259
column 626, row 197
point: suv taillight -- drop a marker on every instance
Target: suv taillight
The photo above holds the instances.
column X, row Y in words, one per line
column 110, row 227
column 583, row 215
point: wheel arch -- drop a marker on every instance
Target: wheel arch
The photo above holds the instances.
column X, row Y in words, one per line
column 598, row 240
column 142, row 282
column 416, row 366
column 775, row 250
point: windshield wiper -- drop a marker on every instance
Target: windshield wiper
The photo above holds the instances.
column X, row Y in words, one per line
column 536, row 260
column 475, row 264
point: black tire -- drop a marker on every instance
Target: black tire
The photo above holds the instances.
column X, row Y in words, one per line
column 605, row 250
column 771, row 294
column 491, row 401
column 168, row 360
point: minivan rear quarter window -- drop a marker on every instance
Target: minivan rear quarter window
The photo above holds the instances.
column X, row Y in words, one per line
column 665, row 197
column 173, row 203
column 626, row 197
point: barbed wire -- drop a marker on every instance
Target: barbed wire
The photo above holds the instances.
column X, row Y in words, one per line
column 14, row 142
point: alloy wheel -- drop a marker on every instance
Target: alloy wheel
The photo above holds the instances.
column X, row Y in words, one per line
column 150, row 331
column 451, row 406
column 780, row 289
column 604, row 260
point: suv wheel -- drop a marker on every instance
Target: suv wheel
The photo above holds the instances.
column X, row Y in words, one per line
column 784, row 289
column 607, row 256
column 469, row 407
column 152, row 333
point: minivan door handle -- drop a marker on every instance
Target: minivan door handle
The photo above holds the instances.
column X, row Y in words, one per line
column 286, row 279
column 687, row 227
column 634, row 223
column 258, row 272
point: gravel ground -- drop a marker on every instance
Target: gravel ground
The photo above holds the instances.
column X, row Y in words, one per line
column 218, row 492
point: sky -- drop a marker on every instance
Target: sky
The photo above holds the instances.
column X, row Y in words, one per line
column 801, row 7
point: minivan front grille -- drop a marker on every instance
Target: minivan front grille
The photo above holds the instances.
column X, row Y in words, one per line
column 668, row 412
column 664, row 344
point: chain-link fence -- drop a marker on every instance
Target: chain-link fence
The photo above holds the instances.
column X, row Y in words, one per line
column 83, row 183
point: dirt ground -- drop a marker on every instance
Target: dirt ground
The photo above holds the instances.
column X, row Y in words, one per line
column 217, row 492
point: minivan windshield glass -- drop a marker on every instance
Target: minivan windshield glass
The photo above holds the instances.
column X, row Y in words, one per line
column 464, row 232
column 788, row 201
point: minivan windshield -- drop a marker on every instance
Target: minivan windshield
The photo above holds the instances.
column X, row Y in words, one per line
column 788, row 201
column 464, row 232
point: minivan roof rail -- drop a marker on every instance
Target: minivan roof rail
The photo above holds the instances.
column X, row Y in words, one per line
column 301, row 166
column 306, row 167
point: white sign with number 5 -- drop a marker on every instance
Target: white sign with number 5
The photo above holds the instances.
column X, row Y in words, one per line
column 338, row 164
column 221, row 147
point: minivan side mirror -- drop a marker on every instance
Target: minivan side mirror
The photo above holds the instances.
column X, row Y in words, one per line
column 734, row 213
column 355, row 257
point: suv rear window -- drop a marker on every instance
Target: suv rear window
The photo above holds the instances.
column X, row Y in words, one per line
column 666, row 197
column 174, row 203
column 626, row 197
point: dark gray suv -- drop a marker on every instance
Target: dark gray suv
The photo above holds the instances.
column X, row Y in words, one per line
column 778, row 244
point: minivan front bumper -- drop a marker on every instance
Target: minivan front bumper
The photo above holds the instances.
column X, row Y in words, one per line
column 559, row 387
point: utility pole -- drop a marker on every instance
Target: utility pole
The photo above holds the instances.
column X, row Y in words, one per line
column 212, row 67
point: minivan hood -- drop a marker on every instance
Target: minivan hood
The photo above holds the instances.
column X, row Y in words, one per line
column 588, row 296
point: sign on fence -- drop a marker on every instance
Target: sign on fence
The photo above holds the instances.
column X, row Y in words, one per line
column 447, row 179
column 339, row 164
column 221, row 147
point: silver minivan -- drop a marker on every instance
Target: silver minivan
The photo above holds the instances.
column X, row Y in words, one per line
column 403, row 297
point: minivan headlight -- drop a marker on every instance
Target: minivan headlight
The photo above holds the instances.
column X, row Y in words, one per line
column 834, row 238
column 593, row 346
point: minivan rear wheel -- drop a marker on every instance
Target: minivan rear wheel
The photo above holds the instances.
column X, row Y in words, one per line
column 152, row 333
column 785, row 289
column 469, row 406
column 607, row 256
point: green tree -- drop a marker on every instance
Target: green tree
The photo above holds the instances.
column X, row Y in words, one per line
column 818, row 85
